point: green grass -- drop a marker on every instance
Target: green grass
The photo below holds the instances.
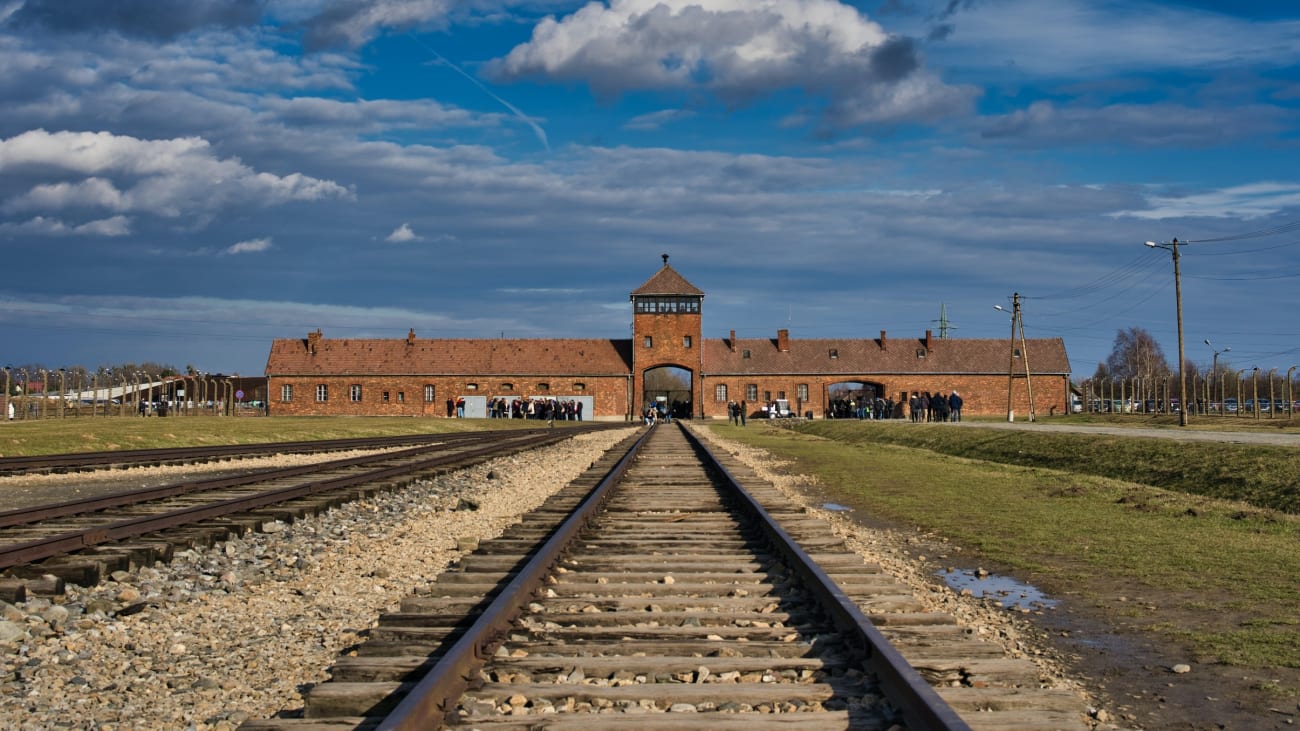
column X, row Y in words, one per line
column 1218, row 575
column 1263, row 476
column 61, row 436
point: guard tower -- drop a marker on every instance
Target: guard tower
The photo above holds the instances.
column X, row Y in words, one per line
column 666, row 329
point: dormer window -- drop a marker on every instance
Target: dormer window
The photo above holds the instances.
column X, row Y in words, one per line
column 744, row 354
column 835, row 353
column 920, row 353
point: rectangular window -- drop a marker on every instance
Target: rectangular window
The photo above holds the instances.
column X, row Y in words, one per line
column 649, row 342
column 385, row 397
column 355, row 392
column 780, row 394
column 744, row 354
column 767, row 396
column 471, row 387
column 720, row 392
column 401, row 397
column 802, row 390
column 544, row 387
column 834, row 353
column 286, row 393
column 322, row 392
column 751, row 392
column 429, row 392
column 579, row 387
column 686, row 341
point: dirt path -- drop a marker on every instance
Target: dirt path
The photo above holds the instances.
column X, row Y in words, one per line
column 1278, row 439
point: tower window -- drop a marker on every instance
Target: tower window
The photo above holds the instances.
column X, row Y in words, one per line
column 649, row 342
column 686, row 341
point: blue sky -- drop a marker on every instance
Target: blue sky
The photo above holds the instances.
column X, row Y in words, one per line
column 182, row 181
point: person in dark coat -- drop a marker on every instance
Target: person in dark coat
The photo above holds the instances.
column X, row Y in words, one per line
column 954, row 405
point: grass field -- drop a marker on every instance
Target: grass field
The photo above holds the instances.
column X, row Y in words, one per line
column 60, row 436
column 1219, row 575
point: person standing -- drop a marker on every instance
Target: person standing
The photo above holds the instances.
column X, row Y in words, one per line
column 742, row 412
column 954, row 405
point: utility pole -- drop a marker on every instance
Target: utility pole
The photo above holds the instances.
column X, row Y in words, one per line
column 1019, row 321
column 1172, row 246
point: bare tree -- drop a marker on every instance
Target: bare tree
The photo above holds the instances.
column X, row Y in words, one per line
column 1136, row 354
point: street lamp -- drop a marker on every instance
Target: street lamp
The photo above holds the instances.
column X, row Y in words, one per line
column 1011, row 369
column 1215, row 369
column 1178, row 303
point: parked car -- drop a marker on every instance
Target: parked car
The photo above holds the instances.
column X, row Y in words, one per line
column 1230, row 405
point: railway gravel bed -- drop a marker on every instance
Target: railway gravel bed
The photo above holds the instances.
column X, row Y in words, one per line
column 238, row 630
column 242, row 630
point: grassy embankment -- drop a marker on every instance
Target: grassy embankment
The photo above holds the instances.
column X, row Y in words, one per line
column 60, row 436
column 1080, row 516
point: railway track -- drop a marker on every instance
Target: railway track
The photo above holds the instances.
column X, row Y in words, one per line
column 658, row 593
column 80, row 541
column 120, row 459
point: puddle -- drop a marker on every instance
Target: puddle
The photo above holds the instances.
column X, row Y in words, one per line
column 836, row 507
column 1013, row 594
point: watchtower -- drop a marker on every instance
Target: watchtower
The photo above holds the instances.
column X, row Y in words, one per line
column 666, row 329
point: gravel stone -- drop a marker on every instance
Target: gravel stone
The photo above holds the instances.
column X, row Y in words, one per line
column 233, row 632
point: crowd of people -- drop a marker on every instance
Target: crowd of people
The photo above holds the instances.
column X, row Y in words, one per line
column 549, row 409
column 923, row 406
column 926, row 406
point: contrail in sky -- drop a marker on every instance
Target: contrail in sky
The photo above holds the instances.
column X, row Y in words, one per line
column 537, row 128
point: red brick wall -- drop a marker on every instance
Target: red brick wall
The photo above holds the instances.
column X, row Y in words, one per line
column 667, row 333
column 609, row 393
column 982, row 395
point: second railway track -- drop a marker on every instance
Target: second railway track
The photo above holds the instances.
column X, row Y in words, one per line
column 81, row 540
column 672, row 600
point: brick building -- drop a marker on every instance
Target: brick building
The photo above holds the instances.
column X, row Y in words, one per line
column 667, row 361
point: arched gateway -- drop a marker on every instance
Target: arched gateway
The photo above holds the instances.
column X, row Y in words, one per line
column 667, row 347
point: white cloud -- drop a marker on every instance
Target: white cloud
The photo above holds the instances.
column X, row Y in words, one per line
column 655, row 120
column 167, row 178
column 250, row 246
column 402, row 234
column 1255, row 200
column 1087, row 38
column 740, row 50
column 43, row 226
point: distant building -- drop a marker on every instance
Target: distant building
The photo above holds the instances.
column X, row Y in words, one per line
column 667, row 362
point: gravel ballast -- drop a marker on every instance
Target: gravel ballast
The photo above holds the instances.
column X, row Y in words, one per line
column 237, row 631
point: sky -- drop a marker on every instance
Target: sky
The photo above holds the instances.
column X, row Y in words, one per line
column 183, row 181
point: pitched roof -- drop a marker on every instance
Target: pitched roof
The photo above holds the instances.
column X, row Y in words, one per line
column 866, row 356
column 352, row 356
column 667, row 281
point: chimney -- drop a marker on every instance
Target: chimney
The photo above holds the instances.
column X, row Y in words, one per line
column 883, row 343
column 928, row 339
column 313, row 341
column 731, row 342
column 410, row 337
column 783, row 341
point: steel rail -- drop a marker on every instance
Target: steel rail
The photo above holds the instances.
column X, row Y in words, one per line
column 433, row 697
column 24, row 516
column 43, row 548
column 921, row 704
column 89, row 460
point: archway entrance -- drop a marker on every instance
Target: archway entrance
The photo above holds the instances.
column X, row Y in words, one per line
column 668, row 389
column 855, row 400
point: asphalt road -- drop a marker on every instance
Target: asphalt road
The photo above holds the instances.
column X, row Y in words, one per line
column 1176, row 433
